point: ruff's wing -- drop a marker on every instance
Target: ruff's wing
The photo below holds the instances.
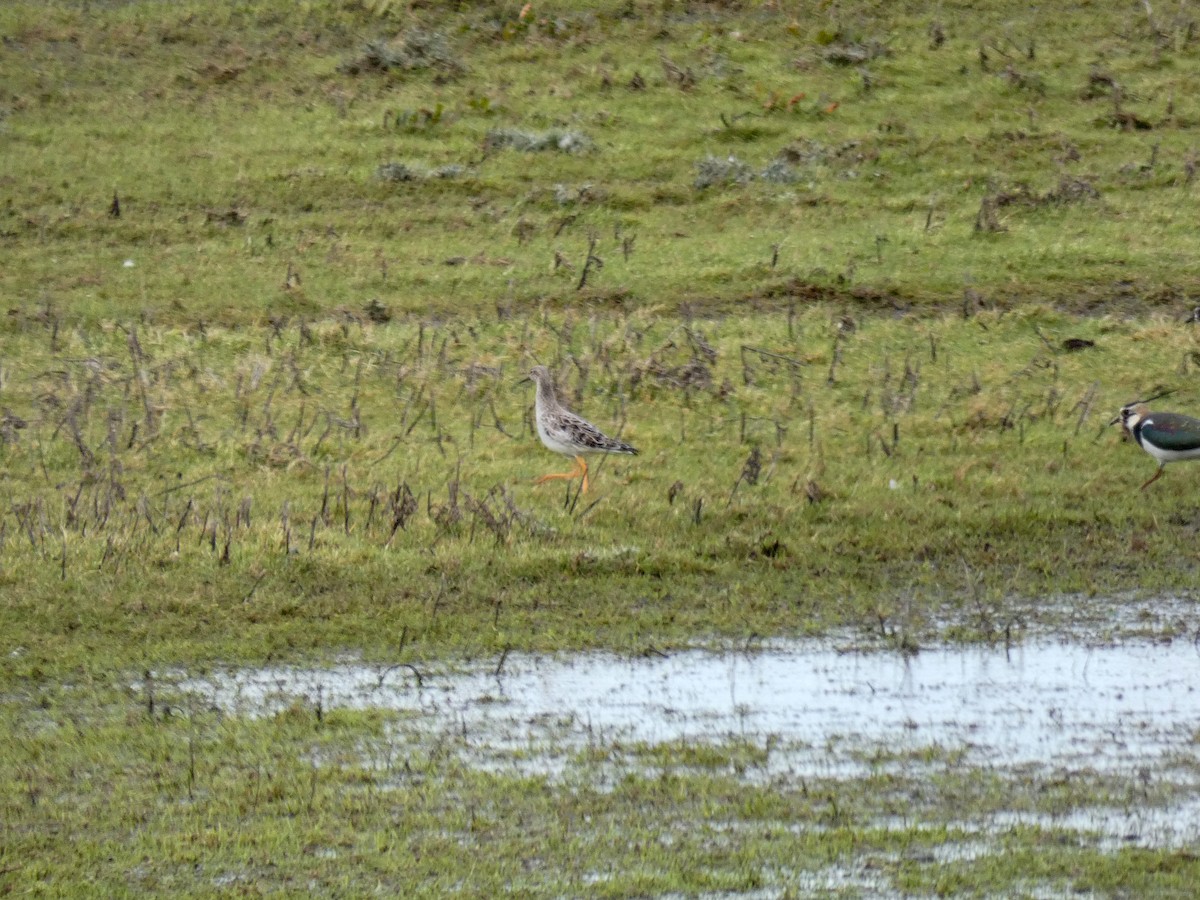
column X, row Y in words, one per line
column 578, row 432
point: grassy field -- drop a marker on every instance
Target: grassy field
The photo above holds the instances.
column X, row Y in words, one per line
column 717, row 155
column 864, row 283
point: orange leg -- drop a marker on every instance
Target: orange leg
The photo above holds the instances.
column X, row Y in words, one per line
column 580, row 469
column 1154, row 479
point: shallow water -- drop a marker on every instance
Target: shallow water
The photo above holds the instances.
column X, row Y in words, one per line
column 1111, row 708
column 1125, row 711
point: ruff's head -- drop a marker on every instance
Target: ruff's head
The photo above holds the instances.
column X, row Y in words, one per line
column 541, row 376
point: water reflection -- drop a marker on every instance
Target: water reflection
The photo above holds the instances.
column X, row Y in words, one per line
column 1108, row 708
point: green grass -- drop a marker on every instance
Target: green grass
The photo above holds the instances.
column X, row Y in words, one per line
column 146, row 530
column 186, row 124
column 217, row 495
column 269, row 411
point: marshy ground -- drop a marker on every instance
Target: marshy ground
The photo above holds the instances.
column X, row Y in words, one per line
column 879, row 609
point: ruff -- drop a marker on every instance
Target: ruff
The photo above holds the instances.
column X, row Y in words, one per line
column 564, row 432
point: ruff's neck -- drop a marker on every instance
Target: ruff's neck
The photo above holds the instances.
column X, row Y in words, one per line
column 546, row 394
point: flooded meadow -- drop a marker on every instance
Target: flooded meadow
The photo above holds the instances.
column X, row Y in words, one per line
column 1096, row 741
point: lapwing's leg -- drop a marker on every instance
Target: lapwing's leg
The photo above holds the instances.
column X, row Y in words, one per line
column 1155, row 478
column 575, row 473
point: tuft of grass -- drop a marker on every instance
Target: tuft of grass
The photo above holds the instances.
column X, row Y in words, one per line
column 564, row 141
column 414, row 51
column 712, row 171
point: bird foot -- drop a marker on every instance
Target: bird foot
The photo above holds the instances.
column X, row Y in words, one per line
column 580, row 469
column 542, row 479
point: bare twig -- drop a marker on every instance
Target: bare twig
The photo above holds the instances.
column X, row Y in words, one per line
column 592, row 262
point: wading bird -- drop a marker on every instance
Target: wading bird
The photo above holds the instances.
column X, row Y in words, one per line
column 564, row 432
column 1168, row 437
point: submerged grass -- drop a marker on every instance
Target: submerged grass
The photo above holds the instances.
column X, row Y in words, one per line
column 272, row 271
column 338, row 803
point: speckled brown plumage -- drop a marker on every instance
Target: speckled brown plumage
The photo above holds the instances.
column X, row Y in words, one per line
column 567, row 433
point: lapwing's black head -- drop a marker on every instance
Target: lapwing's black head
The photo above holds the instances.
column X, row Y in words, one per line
column 1130, row 415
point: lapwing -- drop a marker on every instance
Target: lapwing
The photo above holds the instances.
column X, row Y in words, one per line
column 1168, row 437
